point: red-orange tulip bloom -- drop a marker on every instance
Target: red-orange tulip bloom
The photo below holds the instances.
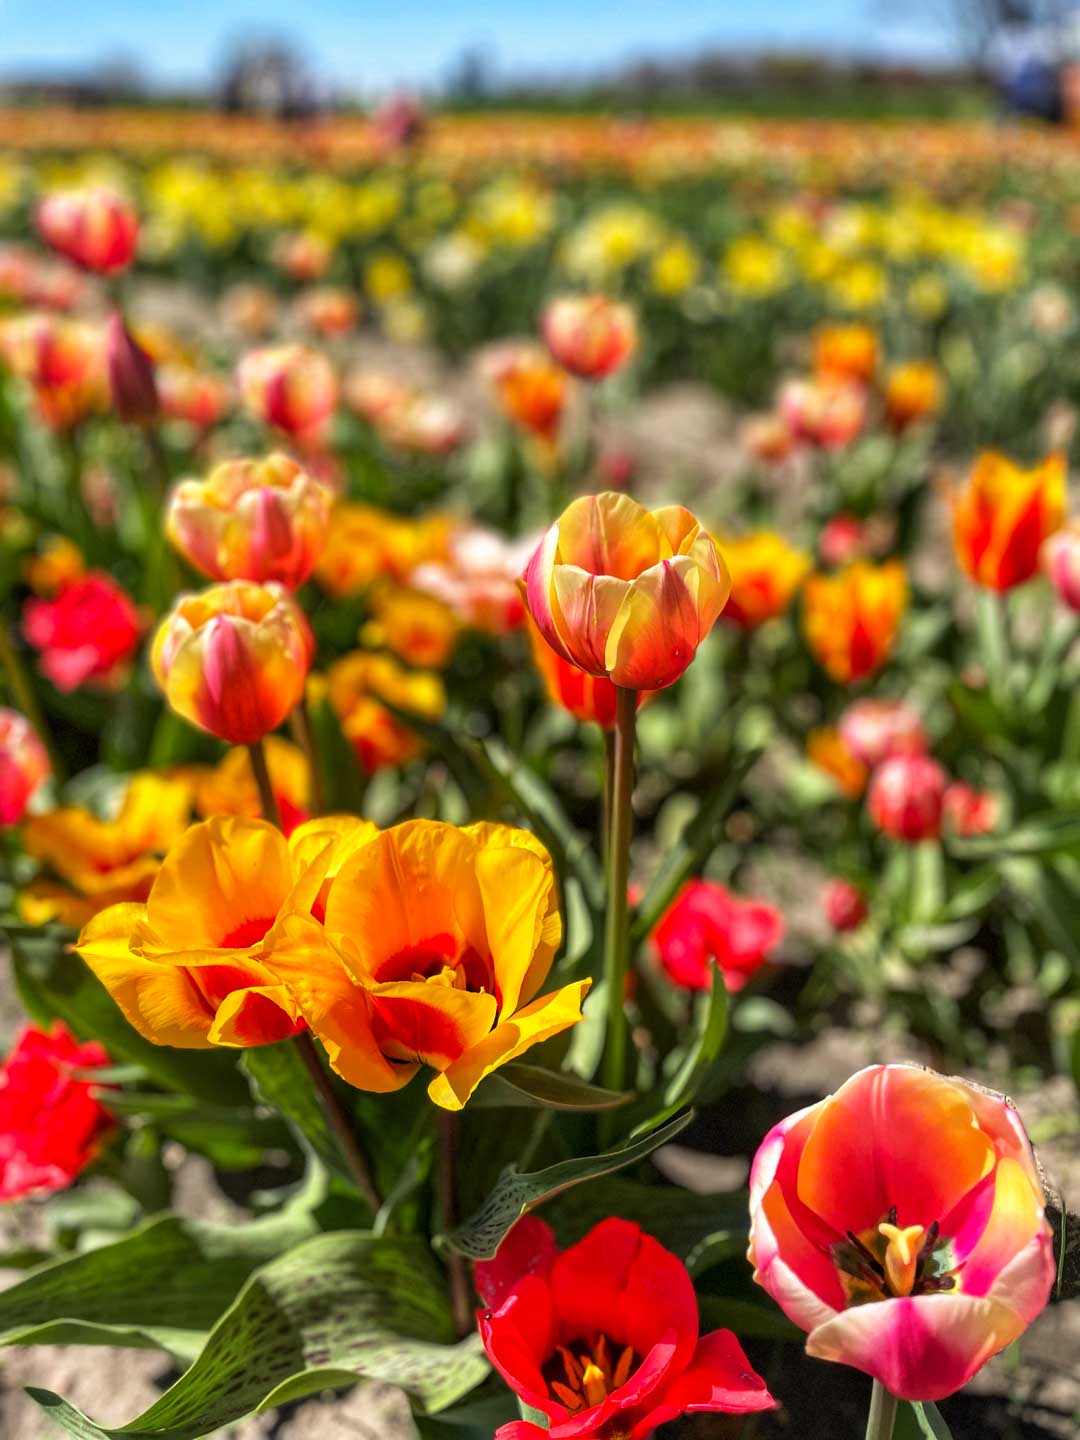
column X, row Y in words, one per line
column 189, row 968
column 587, row 697
column 826, row 748
column 874, row 730
column 827, row 413
column 24, row 764
column 906, row 797
column 765, row 573
column 199, row 398
column 530, row 389
column 96, row 228
column 251, row 520
column 233, row 659
column 356, row 687
column 589, row 335
column 851, row 618
column 846, row 352
column 290, row 387
column 436, row 943
column 1003, row 515
column 626, row 592
column 900, row 1222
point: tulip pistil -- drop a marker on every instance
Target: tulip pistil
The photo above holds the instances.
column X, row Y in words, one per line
column 892, row 1261
column 587, row 1379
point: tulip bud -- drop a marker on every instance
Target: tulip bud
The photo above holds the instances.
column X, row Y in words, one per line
column 875, row 730
column 589, row 335
column 288, row 386
column 24, row 764
column 96, row 228
column 846, row 353
column 1002, row 517
column 765, row 573
column 844, row 905
column 906, row 797
column 826, row 413
column 626, row 592
column 233, row 659
column 1061, row 559
column 251, row 520
column 131, row 374
column 968, row 811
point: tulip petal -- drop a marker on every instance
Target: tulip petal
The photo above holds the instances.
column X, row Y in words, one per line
column 518, row 1339
column 517, row 890
column 260, row 1015
column 664, row 617
column 611, row 534
column 430, row 1023
column 718, row 1378
column 584, row 609
column 1016, row 1220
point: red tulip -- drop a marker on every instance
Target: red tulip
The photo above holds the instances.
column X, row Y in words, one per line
column 875, row 730
column 707, row 923
column 589, row 335
column 844, row 905
column 131, row 374
column 87, row 633
column 906, row 797
column 968, row 811
column 96, row 228
column 24, row 764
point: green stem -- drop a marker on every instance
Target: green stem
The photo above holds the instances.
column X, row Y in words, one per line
column 460, row 1295
column 1070, row 743
column 609, row 777
column 261, row 771
column 993, row 642
column 882, row 1418
column 22, row 692
column 617, row 932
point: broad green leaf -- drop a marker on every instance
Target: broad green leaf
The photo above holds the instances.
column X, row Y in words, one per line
column 748, row 1320
column 683, row 1222
column 279, row 1078
column 1050, row 902
column 519, row 1084
column 337, row 1308
column 515, row 1193
column 710, row 1027
column 1040, row 835
column 930, row 1421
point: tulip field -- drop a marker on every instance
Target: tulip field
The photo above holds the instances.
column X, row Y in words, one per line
column 539, row 779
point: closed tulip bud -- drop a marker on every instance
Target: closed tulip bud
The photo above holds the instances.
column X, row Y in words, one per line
column 626, row 592
column 844, row 905
column 131, row 375
column 1002, row 517
column 251, row 520
column 232, row 660
column 589, row 335
column 96, row 228
column 907, row 796
column 851, row 619
column 24, row 764
column 846, row 352
column 875, row 730
column 288, row 386
column 1061, row 559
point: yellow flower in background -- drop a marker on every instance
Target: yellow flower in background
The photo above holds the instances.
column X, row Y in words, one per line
column 356, row 687
column 417, row 627
column 386, row 277
column 765, row 574
column 675, row 267
column 862, row 286
column 229, row 787
column 753, row 266
column 57, row 563
column 928, row 295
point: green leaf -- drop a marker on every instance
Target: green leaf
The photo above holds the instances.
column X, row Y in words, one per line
column 929, row 1420
column 748, row 1320
column 1050, row 902
column 337, row 1308
column 515, row 1193
column 531, row 1086
column 710, row 1027
column 164, row 1285
column 683, row 1223
column 279, row 1078
column 1040, row 835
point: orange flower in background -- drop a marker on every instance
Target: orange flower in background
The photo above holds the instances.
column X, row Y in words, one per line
column 356, row 686
column 328, row 309
column 189, row 968
column 96, row 228
column 290, row 387
column 365, row 543
column 97, row 862
column 765, row 573
column 626, row 592
column 587, row 697
column 50, row 353
column 24, row 765
column 592, row 336
column 1002, row 516
column 530, row 389
column 846, row 352
column 826, row 749
column 57, row 563
column 196, row 397
column 851, row 618
column 417, row 627
column 767, row 438
column 824, row 412
column 233, row 659
column 912, row 392
column 302, row 254
column 900, row 1222
column 251, row 520
column 437, row 941
column 229, row 787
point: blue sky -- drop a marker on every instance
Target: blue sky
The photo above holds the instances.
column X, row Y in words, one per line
column 372, row 45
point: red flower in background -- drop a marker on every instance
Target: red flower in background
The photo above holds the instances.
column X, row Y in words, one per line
column 968, row 811
column 603, row 1338
column 86, row 633
column 24, row 764
column 907, row 796
column 51, row 1126
column 95, row 227
column 707, row 923
column 844, row 905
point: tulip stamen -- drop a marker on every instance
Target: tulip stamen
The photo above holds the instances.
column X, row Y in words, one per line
column 590, row 1377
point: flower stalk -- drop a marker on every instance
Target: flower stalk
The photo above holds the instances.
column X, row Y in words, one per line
column 617, row 933
column 460, row 1298
column 882, row 1418
column 261, row 771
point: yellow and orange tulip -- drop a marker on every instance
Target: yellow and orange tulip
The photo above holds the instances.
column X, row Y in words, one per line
column 851, row 618
column 356, row 687
column 765, row 574
column 846, row 352
column 1002, row 516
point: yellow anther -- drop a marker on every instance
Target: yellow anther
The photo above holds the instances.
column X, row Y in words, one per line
column 593, row 1384
column 902, row 1252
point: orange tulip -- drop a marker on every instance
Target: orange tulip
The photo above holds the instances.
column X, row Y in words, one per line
column 365, row 543
column 589, row 335
column 1002, row 516
column 290, row 387
column 251, row 520
column 198, row 398
column 826, row 748
column 912, row 392
column 851, row 618
column 356, row 687
column 95, row 227
column 229, row 787
column 846, row 352
column 824, row 412
column 435, row 946
column 626, row 592
column 233, row 659
column 587, row 697
column 765, row 573
column 419, row 628
column 529, row 388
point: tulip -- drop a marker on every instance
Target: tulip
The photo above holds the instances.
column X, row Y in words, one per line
column 967, row 811
column 418, row 628
column 24, row 765
column 365, row 544
column 96, row 228
column 827, row 749
column 529, row 388
column 477, row 579
column 765, row 574
column 190, row 968
column 131, row 374
column 356, row 687
column 52, row 1125
column 851, row 618
column 195, row 397
column 767, row 438
column 900, row 1223
column 626, row 592
column 424, row 425
column 1061, row 559
column 290, row 387
column 1002, row 517
column 825, row 413
column 906, row 797
column 329, row 310
column 603, row 1339
column 233, row 659
column 587, row 697
column 435, row 945
column 844, row 905
column 86, row 634
column 845, row 538
column 705, row 924
column 589, row 335
column 846, row 353
column 230, row 788
column 874, row 730
column 255, row 520
column 302, row 255
column 48, row 352
column 912, row 392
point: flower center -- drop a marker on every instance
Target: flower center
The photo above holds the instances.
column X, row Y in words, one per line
column 891, row 1261
column 586, row 1378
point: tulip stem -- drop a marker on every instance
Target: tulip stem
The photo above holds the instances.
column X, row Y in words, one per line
column 882, row 1419
column 261, row 771
column 617, row 931
column 460, row 1297
column 300, row 725
column 357, row 1161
